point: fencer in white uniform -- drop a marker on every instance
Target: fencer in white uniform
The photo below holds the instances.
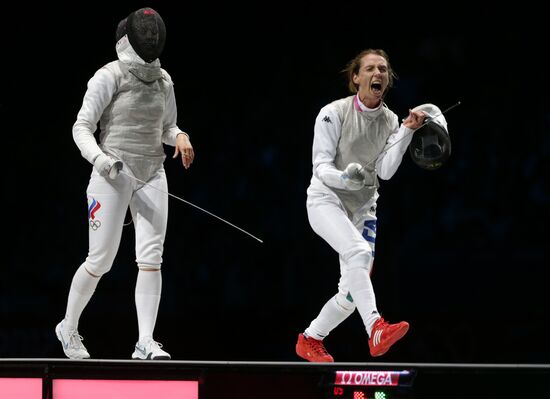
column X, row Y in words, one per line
column 357, row 140
column 133, row 100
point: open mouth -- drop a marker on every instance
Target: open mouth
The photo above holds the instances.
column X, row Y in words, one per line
column 376, row 87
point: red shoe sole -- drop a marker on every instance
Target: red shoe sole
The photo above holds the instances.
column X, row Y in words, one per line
column 310, row 359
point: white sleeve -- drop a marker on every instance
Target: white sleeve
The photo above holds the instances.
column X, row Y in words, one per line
column 169, row 124
column 101, row 88
column 327, row 132
column 389, row 160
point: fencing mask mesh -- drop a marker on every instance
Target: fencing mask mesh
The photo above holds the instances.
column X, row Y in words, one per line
column 121, row 29
column 146, row 33
column 431, row 144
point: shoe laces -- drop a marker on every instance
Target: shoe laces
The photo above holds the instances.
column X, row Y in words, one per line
column 381, row 324
column 151, row 345
column 75, row 339
column 157, row 345
column 317, row 346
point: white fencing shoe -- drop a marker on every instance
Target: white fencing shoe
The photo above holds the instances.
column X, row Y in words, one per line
column 148, row 349
column 71, row 342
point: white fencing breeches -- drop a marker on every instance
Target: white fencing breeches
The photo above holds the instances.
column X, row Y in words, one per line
column 354, row 240
column 108, row 202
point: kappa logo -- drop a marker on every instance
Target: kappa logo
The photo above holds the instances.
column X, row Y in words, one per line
column 327, row 119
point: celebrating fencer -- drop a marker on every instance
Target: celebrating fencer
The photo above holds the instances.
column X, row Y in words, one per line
column 133, row 100
column 358, row 139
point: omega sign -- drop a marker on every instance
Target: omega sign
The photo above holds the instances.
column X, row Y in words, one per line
column 373, row 378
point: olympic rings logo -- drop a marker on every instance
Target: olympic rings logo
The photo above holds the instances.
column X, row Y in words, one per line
column 95, row 224
column 92, row 209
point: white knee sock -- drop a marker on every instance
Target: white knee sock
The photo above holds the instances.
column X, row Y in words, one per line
column 82, row 289
column 148, row 289
column 360, row 287
column 331, row 315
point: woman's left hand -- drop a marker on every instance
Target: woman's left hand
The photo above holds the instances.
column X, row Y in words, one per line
column 184, row 149
column 414, row 120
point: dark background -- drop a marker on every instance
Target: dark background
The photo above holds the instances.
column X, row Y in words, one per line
column 462, row 252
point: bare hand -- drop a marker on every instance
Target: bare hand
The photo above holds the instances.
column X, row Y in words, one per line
column 185, row 150
column 414, row 120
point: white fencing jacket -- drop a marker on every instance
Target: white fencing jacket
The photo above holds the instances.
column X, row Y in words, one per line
column 346, row 131
column 135, row 106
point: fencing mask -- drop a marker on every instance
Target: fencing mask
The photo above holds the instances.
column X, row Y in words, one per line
column 431, row 144
column 121, row 29
column 146, row 33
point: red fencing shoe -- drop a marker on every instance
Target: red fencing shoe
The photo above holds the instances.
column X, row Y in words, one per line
column 384, row 335
column 312, row 350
